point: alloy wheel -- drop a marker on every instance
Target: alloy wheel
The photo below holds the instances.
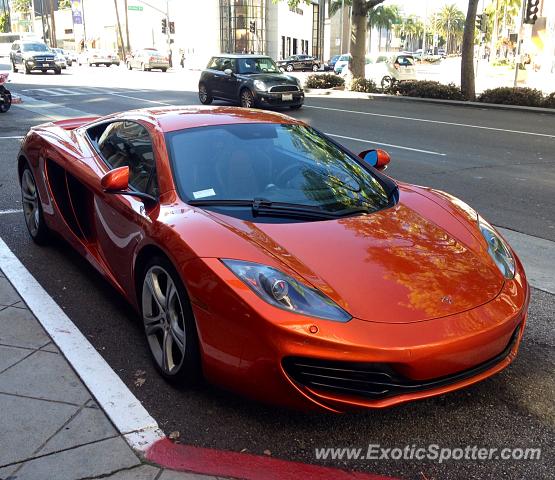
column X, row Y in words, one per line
column 247, row 100
column 164, row 320
column 30, row 200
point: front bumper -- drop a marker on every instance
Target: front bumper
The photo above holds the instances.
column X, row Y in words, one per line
column 247, row 346
column 279, row 99
column 42, row 64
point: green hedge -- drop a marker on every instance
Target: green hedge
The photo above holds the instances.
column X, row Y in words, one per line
column 549, row 101
column 427, row 89
column 526, row 97
column 364, row 85
column 324, row 80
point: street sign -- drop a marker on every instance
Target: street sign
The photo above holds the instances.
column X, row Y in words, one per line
column 136, row 8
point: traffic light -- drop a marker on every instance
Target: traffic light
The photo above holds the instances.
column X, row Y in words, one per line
column 164, row 25
column 252, row 26
column 482, row 22
column 531, row 11
column 172, row 27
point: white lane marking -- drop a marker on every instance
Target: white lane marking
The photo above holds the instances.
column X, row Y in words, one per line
column 537, row 256
column 140, row 99
column 12, row 138
column 386, row 144
column 433, row 121
column 11, row 211
column 70, row 91
column 125, row 411
column 50, row 110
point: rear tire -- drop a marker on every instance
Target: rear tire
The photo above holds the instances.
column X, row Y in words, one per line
column 129, row 67
column 204, row 95
column 315, row 68
column 6, row 98
column 32, row 208
column 289, row 68
column 169, row 323
column 164, row 70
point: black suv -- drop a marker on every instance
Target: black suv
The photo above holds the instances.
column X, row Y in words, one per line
column 251, row 80
column 299, row 62
column 33, row 55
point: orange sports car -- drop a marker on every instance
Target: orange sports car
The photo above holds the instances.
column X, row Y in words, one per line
column 270, row 260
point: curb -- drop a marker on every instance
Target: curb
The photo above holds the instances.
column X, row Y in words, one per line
column 128, row 415
column 332, row 93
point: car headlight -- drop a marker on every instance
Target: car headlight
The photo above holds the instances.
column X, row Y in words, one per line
column 283, row 291
column 260, row 85
column 498, row 249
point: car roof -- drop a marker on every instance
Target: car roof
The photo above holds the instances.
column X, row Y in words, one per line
column 172, row 119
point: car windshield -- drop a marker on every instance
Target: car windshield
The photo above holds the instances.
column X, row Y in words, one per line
column 280, row 163
column 34, row 47
column 344, row 58
column 256, row 65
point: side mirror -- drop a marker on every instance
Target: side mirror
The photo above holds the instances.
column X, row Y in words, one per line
column 379, row 159
column 116, row 180
column 228, row 71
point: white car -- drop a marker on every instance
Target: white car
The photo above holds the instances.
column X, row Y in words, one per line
column 342, row 62
column 60, row 59
column 385, row 70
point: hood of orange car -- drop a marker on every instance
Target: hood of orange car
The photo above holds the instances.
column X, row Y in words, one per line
column 394, row 266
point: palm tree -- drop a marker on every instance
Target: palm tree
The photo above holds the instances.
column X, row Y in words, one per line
column 383, row 18
column 411, row 30
column 449, row 23
column 500, row 10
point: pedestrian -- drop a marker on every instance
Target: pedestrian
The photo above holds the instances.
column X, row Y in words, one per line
column 170, row 58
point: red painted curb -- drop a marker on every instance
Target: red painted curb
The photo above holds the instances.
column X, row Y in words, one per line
column 208, row 461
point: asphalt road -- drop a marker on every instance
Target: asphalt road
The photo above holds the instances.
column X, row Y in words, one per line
column 504, row 168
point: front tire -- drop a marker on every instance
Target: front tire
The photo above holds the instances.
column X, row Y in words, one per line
column 204, row 95
column 6, row 98
column 246, row 98
column 129, row 67
column 32, row 209
column 169, row 323
column 58, row 71
column 315, row 68
column 295, row 107
column 387, row 82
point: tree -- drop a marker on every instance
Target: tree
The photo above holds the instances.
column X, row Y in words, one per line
column 22, row 6
column 4, row 22
column 360, row 9
column 411, row 30
column 468, row 86
column 449, row 23
column 121, row 48
column 64, row 4
column 383, row 17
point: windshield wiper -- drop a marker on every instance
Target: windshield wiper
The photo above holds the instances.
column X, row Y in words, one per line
column 261, row 206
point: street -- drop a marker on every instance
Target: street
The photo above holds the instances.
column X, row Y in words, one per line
column 499, row 161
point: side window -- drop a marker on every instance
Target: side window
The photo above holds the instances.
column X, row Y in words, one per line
column 213, row 64
column 227, row 63
column 129, row 144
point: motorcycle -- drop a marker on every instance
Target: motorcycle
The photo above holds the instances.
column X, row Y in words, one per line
column 5, row 95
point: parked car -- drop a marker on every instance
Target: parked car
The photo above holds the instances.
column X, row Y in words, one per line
column 265, row 257
column 148, row 59
column 385, row 70
column 442, row 52
column 99, row 57
column 250, row 80
column 299, row 62
column 69, row 56
column 330, row 64
column 342, row 62
column 60, row 58
column 33, row 55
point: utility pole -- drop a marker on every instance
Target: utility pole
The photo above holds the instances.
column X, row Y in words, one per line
column 127, row 27
column 42, row 20
column 492, row 48
column 33, row 16
column 341, row 30
column 119, row 32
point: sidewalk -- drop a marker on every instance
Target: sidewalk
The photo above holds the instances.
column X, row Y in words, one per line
column 51, row 427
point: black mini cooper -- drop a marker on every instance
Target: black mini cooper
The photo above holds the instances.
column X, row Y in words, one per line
column 251, row 80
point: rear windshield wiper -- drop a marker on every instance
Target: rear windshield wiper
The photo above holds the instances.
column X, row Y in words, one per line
column 262, row 206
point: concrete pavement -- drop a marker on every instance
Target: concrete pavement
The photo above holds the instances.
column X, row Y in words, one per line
column 52, row 428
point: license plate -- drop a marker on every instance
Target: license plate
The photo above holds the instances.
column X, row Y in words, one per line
column 45, row 64
column 287, row 97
